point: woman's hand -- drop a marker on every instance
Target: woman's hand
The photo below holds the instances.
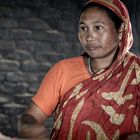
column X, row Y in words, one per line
column 31, row 124
column 34, row 131
column 3, row 137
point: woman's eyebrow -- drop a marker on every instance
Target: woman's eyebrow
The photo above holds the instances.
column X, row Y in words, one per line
column 81, row 22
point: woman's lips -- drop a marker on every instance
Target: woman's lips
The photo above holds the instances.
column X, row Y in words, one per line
column 92, row 47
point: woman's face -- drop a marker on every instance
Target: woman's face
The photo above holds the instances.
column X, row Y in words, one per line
column 97, row 33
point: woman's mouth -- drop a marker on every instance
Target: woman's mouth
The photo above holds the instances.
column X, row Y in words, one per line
column 92, row 47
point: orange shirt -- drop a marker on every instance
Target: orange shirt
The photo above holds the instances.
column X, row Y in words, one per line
column 61, row 78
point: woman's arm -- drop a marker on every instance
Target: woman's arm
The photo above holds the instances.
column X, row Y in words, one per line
column 31, row 123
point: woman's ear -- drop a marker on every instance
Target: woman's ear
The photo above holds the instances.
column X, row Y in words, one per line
column 121, row 29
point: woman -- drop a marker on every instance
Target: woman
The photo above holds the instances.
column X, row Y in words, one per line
column 96, row 95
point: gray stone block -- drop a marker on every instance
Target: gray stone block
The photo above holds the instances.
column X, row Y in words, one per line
column 9, row 65
column 34, row 24
column 8, row 23
column 19, row 55
column 19, row 34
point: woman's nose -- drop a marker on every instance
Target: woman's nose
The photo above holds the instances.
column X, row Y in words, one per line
column 90, row 37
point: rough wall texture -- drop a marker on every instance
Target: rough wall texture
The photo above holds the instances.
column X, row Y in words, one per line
column 34, row 34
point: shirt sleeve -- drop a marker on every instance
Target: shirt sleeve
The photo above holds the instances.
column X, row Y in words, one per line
column 48, row 95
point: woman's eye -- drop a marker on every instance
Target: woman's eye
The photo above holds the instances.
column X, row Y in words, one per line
column 83, row 28
column 98, row 27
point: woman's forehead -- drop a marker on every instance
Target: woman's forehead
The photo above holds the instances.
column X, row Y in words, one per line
column 94, row 16
column 93, row 12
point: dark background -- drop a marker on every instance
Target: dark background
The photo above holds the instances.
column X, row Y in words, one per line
column 35, row 34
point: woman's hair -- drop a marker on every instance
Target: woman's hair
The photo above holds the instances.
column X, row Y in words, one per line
column 117, row 21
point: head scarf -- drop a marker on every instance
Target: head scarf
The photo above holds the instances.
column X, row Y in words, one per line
column 121, row 11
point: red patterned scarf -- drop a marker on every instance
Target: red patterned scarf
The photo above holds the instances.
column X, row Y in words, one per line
column 106, row 106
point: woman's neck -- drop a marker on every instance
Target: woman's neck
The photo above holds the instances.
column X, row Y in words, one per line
column 98, row 64
column 95, row 65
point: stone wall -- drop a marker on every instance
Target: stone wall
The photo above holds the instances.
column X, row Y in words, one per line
column 34, row 34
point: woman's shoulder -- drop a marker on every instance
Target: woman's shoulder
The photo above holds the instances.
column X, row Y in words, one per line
column 135, row 57
column 67, row 65
column 71, row 62
column 132, row 56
